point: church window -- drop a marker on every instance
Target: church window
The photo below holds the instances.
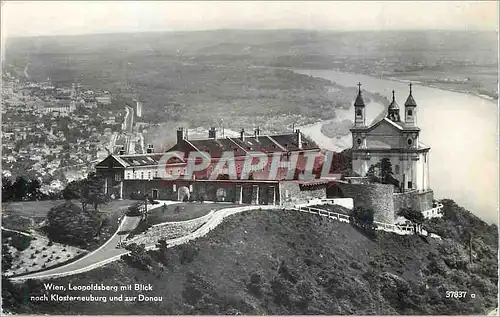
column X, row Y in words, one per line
column 410, row 141
column 396, row 169
column 359, row 112
column 359, row 141
column 410, row 113
column 410, row 184
column 142, row 175
column 118, row 177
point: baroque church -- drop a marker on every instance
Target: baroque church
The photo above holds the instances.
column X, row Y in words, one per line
column 390, row 137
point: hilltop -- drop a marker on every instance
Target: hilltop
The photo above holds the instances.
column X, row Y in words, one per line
column 286, row 262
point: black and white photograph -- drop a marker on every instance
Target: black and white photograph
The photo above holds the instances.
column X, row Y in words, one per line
column 249, row 157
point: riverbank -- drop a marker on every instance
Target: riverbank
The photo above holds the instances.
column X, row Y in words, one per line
column 344, row 140
column 461, row 130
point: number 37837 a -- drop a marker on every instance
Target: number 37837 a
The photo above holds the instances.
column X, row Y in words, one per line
column 456, row 294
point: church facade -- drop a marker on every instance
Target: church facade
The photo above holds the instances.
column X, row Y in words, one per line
column 392, row 137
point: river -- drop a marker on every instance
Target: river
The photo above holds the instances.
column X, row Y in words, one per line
column 461, row 130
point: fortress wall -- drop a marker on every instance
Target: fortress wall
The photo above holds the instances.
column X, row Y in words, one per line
column 378, row 197
column 426, row 200
column 414, row 199
column 406, row 200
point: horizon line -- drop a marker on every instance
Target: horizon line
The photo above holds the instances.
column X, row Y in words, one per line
column 368, row 30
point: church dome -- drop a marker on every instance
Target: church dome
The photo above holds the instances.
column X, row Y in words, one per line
column 393, row 104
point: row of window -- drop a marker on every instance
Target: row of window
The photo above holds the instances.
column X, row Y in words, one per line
column 138, row 175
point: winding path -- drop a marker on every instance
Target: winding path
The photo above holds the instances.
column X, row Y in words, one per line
column 109, row 251
column 106, row 253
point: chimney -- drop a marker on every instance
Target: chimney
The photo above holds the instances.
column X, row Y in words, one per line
column 212, row 133
column 242, row 135
column 180, row 135
column 257, row 132
column 299, row 138
column 150, row 149
column 122, row 150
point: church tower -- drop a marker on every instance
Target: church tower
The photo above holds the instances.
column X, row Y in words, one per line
column 410, row 110
column 393, row 112
column 359, row 110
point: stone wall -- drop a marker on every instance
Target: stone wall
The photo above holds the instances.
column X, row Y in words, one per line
column 426, row 200
column 406, row 200
column 378, row 197
column 169, row 230
column 291, row 193
column 413, row 199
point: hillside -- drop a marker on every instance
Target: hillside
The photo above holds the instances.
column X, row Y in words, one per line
column 263, row 262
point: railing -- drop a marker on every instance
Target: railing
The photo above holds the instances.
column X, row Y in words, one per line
column 388, row 227
column 436, row 212
column 344, row 202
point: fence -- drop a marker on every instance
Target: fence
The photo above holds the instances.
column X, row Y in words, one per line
column 436, row 212
column 387, row 227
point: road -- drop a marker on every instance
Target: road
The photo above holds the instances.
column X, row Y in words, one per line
column 108, row 252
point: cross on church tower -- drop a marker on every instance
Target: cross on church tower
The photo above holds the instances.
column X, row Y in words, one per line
column 410, row 88
column 359, row 85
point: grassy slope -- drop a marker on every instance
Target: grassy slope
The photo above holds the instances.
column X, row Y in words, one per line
column 301, row 264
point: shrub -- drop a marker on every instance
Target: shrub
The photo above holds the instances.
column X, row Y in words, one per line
column 138, row 257
column 32, row 256
column 69, row 224
column 188, row 253
column 50, row 243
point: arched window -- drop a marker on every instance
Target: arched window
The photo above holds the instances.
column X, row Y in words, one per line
column 410, row 113
column 359, row 141
column 359, row 113
column 396, row 169
column 410, row 141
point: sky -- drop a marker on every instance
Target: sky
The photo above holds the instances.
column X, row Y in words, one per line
column 34, row 18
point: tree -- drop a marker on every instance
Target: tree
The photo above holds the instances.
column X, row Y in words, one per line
column 70, row 224
column 412, row 215
column 73, row 190
column 34, row 192
column 7, row 189
column 20, row 188
column 373, row 173
column 386, row 170
column 6, row 258
column 93, row 192
column 363, row 217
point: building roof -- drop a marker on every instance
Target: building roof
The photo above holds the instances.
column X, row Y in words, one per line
column 133, row 160
column 410, row 101
column 393, row 105
column 260, row 143
column 359, row 101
